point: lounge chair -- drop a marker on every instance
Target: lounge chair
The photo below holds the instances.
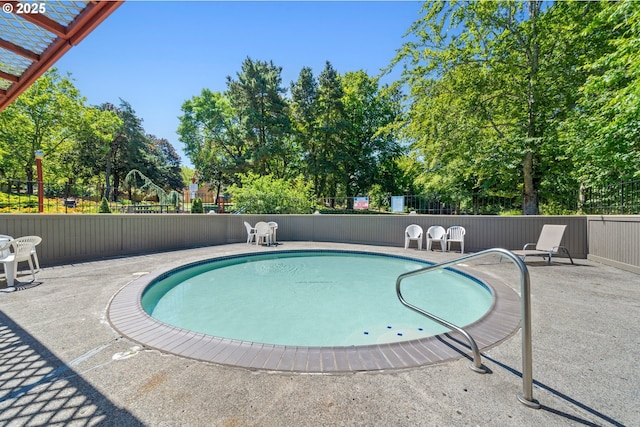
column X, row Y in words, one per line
column 456, row 234
column 437, row 233
column 548, row 244
column 251, row 232
column 413, row 232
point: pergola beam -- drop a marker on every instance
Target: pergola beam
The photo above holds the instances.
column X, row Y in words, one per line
column 19, row 50
column 66, row 37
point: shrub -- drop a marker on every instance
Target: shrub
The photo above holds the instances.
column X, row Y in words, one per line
column 269, row 195
column 104, row 206
column 197, row 206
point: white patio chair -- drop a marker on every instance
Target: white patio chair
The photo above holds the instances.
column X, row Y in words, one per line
column 456, row 234
column 413, row 232
column 263, row 233
column 20, row 251
column 274, row 227
column 35, row 241
column 548, row 244
column 437, row 233
column 251, row 232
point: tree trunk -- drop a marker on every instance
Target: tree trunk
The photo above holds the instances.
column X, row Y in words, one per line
column 107, row 178
column 116, row 185
column 530, row 196
column 29, row 173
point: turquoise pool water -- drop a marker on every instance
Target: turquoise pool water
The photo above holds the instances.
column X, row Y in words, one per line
column 313, row 298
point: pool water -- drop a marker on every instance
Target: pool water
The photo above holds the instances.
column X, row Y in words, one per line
column 313, row 298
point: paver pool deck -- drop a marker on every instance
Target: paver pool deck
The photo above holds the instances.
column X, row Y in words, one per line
column 62, row 362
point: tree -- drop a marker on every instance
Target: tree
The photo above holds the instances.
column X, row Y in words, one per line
column 304, row 113
column 603, row 129
column 210, row 130
column 45, row 117
column 368, row 143
column 257, row 96
column 104, row 206
column 87, row 159
column 331, row 123
column 270, row 195
column 163, row 163
column 123, row 151
column 503, row 71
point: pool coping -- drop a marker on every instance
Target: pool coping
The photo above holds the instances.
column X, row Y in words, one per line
column 126, row 315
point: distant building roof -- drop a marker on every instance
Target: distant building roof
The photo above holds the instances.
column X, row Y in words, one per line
column 34, row 35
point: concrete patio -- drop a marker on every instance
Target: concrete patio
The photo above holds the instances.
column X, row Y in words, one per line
column 61, row 363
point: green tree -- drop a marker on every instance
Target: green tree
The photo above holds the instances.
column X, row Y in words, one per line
column 104, row 206
column 270, row 195
column 304, row 118
column 257, row 96
column 603, row 129
column 331, row 124
column 163, row 163
column 45, row 117
column 197, row 207
column 126, row 149
column 504, row 75
column 368, row 142
column 211, row 132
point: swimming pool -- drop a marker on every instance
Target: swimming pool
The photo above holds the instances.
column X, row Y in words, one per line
column 127, row 316
column 313, row 298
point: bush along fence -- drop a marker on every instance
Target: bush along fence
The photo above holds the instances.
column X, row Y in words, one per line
column 21, row 197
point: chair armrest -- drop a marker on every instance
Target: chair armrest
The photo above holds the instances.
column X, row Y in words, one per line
column 527, row 245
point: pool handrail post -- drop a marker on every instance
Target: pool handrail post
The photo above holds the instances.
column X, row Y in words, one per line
column 526, row 397
column 476, row 365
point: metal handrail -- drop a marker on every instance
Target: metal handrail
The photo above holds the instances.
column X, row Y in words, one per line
column 526, row 397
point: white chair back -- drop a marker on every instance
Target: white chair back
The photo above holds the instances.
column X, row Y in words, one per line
column 436, row 232
column 455, row 233
column 414, row 231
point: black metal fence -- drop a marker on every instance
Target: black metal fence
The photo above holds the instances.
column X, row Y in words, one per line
column 22, row 197
column 618, row 199
column 622, row 198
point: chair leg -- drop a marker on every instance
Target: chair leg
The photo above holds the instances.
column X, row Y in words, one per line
column 36, row 262
column 568, row 254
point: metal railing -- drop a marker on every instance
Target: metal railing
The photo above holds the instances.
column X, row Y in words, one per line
column 526, row 397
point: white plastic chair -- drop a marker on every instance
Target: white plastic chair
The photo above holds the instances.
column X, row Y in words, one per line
column 21, row 249
column 35, row 241
column 274, row 227
column 251, row 232
column 437, row 233
column 413, row 232
column 456, row 234
column 263, row 233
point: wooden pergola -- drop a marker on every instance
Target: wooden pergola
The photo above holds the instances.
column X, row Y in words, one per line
column 34, row 35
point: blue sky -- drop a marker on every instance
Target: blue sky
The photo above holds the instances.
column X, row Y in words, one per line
column 157, row 54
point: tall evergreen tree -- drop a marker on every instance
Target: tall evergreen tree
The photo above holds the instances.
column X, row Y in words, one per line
column 331, row 126
column 257, row 96
column 304, row 108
